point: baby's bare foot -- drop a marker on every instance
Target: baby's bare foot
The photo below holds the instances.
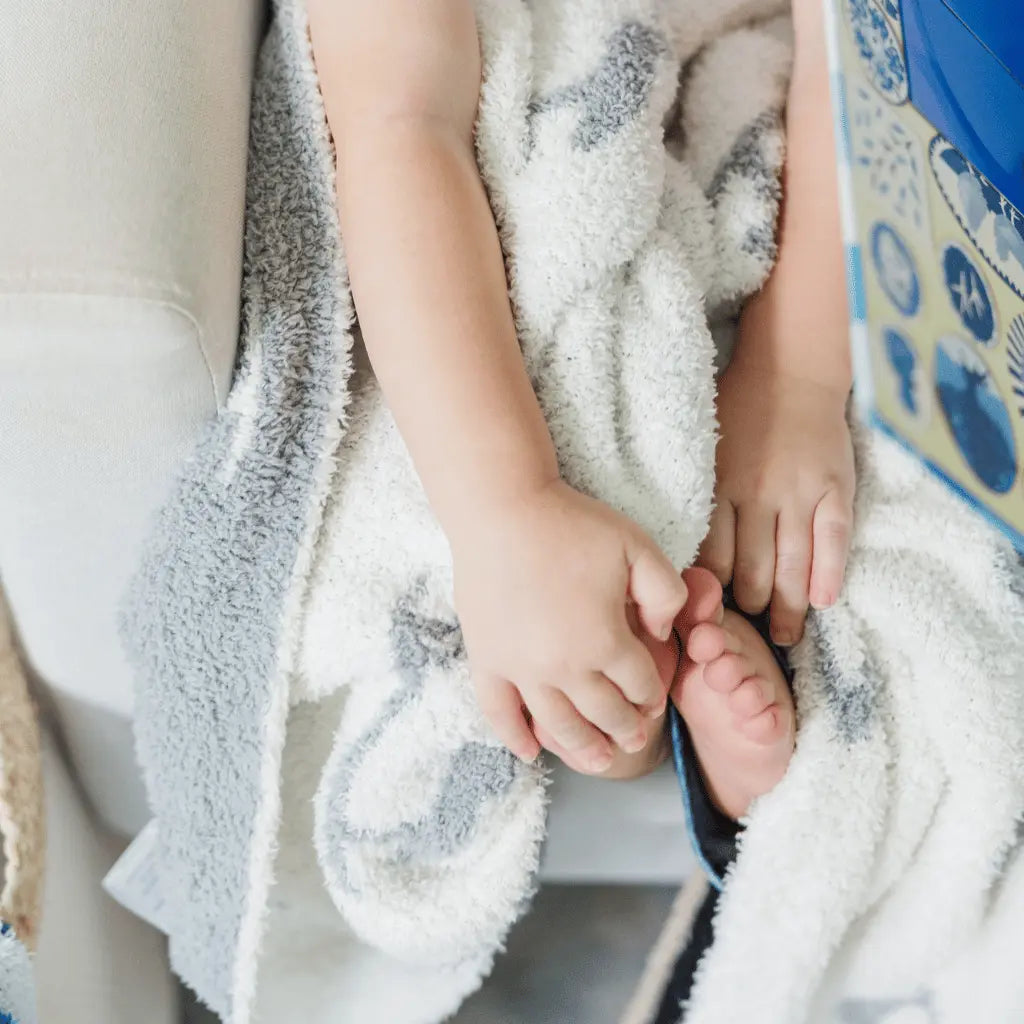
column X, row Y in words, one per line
column 734, row 699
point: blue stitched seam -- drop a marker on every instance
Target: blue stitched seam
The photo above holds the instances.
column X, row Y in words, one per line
column 678, row 748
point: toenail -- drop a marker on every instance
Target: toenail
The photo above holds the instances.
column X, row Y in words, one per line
column 784, row 638
column 600, row 762
column 635, row 743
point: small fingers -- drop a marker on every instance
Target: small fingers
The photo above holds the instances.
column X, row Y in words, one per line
column 656, row 587
column 792, row 577
column 754, row 568
column 553, row 710
column 719, row 547
column 601, row 702
column 502, row 706
column 633, row 671
column 550, row 743
column 833, row 519
column 704, row 603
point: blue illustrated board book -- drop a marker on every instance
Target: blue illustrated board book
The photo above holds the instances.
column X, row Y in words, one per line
column 929, row 99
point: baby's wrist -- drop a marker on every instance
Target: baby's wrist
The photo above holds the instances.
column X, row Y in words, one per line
column 768, row 350
column 485, row 512
column 793, row 330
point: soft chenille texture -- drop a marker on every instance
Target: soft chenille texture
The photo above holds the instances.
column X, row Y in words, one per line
column 631, row 150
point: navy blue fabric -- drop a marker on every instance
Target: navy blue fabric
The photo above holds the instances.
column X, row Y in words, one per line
column 679, row 987
column 713, row 834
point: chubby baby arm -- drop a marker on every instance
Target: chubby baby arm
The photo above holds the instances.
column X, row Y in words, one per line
column 785, row 473
column 542, row 573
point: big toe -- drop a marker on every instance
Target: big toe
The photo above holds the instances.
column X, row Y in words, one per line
column 703, row 602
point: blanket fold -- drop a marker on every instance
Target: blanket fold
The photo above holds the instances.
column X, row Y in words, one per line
column 634, row 177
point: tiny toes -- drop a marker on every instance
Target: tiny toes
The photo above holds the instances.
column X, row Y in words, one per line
column 707, row 641
column 765, row 727
column 704, row 603
column 749, row 698
column 727, row 672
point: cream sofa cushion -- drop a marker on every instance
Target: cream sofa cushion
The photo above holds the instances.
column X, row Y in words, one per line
column 123, row 178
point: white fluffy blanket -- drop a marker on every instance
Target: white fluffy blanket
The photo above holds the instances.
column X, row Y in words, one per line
column 882, row 881
column 297, row 569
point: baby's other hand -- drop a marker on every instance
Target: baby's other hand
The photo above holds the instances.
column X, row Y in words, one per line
column 542, row 585
column 785, row 486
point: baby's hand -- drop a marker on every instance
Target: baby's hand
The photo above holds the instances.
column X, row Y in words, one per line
column 541, row 588
column 785, row 486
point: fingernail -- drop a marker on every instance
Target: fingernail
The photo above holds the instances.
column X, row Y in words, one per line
column 601, row 762
column 665, row 633
column 655, row 713
column 783, row 638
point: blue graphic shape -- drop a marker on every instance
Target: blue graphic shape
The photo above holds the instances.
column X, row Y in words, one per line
column 1015, row 360
column 977, row 417
column 892, row 8
column 903, row 360
column 969, row 295
column 990, row 220
column 888, row 156
column 879, row 49
column 897, row 272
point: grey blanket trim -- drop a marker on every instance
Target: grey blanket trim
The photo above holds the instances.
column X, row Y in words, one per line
column 208, row 620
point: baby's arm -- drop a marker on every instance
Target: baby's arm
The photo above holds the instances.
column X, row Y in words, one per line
column 542, row 573
column 785, row 476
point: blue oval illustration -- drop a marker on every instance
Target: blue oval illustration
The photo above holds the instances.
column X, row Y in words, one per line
column 902, row 358
column 978, row 418
column 988, row 218
column 969, row 294
column 879, row 48
column 897, row 272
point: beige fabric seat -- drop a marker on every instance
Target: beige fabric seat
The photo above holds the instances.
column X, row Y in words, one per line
column 123, row 171
column 122, row 175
